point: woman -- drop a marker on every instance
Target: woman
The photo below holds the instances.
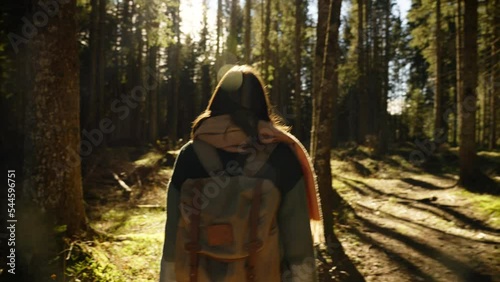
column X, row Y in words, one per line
column 238, row 126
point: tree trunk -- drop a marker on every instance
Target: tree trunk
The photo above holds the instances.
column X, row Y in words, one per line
column 298, row 65
column 459, row 52
column 56, row 184
column 102, row 103
column 248, row 30
column 219, row 28
column 232, row 39
column 468, row 98
column 494, row 76
column 141, row 135
column 328, row 90
column 267, row 29
column 362, row 109
column 205, row 86
column 485, row 113
column 373, row 70
column 493, row 112
column 174, row 66
column 91, row 110
column 276, row 90
column 440, row 121
column 383, row 132
column 153, row 94
column 131, row 45
column 322, row 155
column 177, row 77
column 321, row 28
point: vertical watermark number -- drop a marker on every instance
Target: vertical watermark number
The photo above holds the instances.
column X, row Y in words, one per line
column 11, row 221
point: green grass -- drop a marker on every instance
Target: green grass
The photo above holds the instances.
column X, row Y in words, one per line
column 134, row 256
column 123, row 221
column 89, row 262
column 488, row 205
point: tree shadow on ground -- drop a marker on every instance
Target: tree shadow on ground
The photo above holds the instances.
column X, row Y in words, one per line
column 427, row 205
column 467, row 221
column 484, row 184
column 424, row 226
column 461, row 269
column 335, row 264
column 423, row 184
column 413, row 269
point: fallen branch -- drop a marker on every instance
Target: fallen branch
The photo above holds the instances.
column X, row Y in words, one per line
column 122, row 183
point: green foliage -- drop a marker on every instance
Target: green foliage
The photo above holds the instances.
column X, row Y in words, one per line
column 88, row 262
column 422, row 20
column 415, row 112
column 133, row 254
column 422, row 57
column 60, row 229
column 487, row 205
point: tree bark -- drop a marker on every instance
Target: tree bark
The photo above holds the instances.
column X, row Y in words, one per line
column 483, row 137
column 219, row 28
column 153, row 94
column 459, row 85
column 383, row 132
column 56, row 184
column 372, row 71
column 133, row 75
column 468, row 98
column 298, row 65
column 232, row 39
column 267, row 43
column 327, row 94
column 321, row 28
column 440, row 121
column 248, row 30
column 101, row 103
column 91, row 121
column 276, row 90
column 141, row 132
column 328, row 90
column 174, row 66
column 362, row 109
column 494, row 76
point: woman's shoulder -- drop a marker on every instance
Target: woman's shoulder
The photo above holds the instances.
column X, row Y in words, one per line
column 284, row 158
column 283, row 152
column 186, row 165
column 186, row 147
column 286, row 167
column 186, row 154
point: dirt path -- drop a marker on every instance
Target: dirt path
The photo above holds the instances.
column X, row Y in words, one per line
column 408, row 228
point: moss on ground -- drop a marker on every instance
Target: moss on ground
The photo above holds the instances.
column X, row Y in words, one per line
column 487, row 205
column 133, row 256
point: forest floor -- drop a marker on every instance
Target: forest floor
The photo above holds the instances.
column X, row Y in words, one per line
column 412, row 225
column 406, row 223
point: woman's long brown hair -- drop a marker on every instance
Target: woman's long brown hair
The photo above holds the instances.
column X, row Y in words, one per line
column 246, row 103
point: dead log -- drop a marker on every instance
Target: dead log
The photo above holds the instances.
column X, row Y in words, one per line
column 122, row 183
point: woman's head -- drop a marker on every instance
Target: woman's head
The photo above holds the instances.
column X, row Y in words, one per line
column 240, row 89
column 242, row 95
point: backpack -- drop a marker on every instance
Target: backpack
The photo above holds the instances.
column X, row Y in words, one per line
column 227, row 229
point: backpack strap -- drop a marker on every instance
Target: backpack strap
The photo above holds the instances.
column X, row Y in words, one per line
column 208, row 157
column 254, row 244
column 257, row 160
column 193, row 247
